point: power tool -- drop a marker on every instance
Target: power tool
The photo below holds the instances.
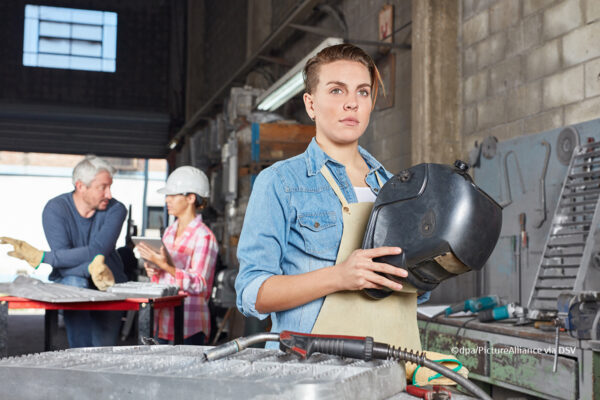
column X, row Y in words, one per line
column 510, row 310
column 474, row 305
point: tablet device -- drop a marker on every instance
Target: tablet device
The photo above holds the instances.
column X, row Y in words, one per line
column 152, row 242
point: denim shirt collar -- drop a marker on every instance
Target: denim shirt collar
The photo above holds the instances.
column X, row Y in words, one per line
column 315, row 158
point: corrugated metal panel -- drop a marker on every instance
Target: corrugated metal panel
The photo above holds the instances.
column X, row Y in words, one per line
column 71, row 130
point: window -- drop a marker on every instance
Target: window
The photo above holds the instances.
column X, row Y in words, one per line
column 155, row 217
column 69, row 38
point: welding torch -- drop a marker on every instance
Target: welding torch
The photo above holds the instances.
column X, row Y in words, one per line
column 362, row 348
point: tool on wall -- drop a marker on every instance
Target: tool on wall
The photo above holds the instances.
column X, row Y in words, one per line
column 362, row 348
column 543, row 185
column 507, row 181
column 523, row 240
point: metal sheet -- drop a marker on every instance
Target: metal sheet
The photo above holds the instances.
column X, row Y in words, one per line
column 476, row 362
column 517, row 361
column 142, row 372
column 33, row 289
column 533, row 371
column 144, row 289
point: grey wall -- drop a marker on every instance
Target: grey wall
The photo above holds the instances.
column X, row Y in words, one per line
column 388, row 137
column 528, row 66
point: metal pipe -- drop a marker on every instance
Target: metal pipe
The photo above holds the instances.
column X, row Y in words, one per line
column 239, row 344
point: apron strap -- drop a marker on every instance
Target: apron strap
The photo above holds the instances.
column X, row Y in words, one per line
column 378, row 180
column 336, row 188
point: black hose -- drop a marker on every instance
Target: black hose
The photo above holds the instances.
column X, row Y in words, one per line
column 366, row 349
column 381, row 351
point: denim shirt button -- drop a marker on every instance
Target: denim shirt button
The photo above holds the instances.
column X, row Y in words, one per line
column 317, row 224
column 376, row 190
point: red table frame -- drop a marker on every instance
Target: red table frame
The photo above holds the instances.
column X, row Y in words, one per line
column 144, row 306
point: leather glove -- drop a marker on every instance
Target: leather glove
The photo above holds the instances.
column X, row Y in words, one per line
column 24, row 251
column 101, row 275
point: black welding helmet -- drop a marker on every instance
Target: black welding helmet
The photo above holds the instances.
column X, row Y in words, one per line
column 443, row 222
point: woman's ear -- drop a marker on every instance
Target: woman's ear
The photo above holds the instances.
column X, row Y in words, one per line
column 190, row 198
column 309, row 105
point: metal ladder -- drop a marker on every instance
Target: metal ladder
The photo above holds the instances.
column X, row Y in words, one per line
column 569, row 246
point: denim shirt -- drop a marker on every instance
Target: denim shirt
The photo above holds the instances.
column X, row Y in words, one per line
column 293, row 225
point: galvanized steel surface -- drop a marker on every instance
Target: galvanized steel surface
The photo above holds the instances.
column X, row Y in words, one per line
column 174, row 372
column 144, row 289
column 33, row 289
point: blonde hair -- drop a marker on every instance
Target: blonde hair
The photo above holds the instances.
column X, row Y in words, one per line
column 345, row 51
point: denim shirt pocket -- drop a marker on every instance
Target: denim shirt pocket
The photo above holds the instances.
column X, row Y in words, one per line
column 318, row 229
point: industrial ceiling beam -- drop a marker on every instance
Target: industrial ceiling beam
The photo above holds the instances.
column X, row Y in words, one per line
column 275, row 38
column 327, row 33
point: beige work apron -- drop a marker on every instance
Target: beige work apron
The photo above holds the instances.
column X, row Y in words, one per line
column 391, row 320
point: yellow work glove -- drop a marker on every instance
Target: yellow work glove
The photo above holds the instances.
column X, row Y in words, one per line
column 24, row 251
column 101, row 275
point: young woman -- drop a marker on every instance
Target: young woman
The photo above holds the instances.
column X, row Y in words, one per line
column 306, row 216
column 188, row 257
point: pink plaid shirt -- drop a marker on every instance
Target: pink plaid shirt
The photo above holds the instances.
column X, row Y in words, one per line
column 194, row 254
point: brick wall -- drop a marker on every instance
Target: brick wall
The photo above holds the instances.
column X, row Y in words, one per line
column 528, row 66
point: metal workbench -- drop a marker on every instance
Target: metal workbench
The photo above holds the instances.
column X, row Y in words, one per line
column 518, row 358
column 28, row 293
column 179, row 372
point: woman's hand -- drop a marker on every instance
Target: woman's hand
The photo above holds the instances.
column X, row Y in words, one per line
column 151, row 270
column 148, row 254
column 158, row 259
column 358, row 271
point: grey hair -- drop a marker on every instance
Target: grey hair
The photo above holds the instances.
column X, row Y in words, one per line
column 87, row 169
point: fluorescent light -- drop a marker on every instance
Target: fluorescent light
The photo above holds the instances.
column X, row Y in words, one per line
column 291, row 83
column 283, row 93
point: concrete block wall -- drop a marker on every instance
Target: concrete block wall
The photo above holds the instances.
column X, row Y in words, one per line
column 528, row 66
column 388, row 136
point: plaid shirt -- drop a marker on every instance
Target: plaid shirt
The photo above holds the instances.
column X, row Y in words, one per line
column 194, row 254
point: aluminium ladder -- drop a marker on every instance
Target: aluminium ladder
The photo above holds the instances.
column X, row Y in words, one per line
column 569, row 247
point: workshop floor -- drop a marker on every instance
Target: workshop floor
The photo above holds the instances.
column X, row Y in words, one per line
column 26, row 334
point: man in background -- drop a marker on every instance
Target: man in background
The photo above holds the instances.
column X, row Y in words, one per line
column 82, row 228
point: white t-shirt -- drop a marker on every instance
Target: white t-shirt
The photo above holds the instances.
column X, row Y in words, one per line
column 364, row 194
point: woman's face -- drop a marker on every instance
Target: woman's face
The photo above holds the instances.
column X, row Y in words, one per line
column 177, row 204
column 341, row 103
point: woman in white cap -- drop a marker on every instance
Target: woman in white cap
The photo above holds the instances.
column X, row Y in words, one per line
column 188, row 257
